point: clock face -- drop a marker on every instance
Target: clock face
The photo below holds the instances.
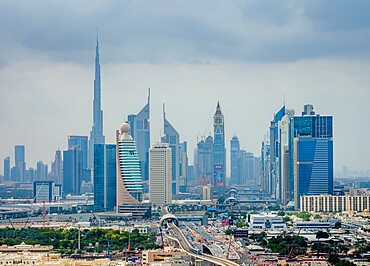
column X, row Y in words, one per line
column 218, row 120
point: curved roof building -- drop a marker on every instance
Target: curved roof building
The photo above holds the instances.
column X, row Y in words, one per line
column 129, row 183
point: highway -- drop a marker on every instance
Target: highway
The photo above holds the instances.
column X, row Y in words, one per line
column 185, row 245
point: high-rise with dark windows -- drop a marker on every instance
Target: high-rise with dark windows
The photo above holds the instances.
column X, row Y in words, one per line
column 105, row 176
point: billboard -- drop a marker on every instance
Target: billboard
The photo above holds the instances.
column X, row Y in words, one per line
column 241, row 233
column 218, row 176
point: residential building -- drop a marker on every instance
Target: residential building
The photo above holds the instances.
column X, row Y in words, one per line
column 105, row 176
column 140, row 132
column 183, row 167
column 129, row 183
column 96, row 133
column 41, row 171
column 330, row 203
column 160, row 174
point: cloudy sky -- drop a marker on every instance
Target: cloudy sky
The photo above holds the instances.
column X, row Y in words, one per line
column 247, row 54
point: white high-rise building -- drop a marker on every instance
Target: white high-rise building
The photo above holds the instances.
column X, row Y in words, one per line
column 160, row 174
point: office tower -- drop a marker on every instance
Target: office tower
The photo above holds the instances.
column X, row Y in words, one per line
column 219, row 152
column 274, row 152
column 7, row 169
column 266, row 186
column 30, row 174
column 96, row 133
column 218, row 160
column 43, row 191
column 172, row 137
column 234, row 161
column 190, row 175
column 183, row 166
column 56, row 168
column 204, row 161
column 250, row 167
column 312, row 154
column 129, row 183
column 72, row 171
column 242, row 168
column 160, row 174
column 140, row 132
column 20, row 163
column 41, row 171
column 105, row 188
column 81, row 143
column 284, row 184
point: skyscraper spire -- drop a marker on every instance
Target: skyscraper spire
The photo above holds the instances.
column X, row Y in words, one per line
column 96, row 133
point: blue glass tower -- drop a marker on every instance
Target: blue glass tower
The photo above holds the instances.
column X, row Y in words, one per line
column 172, row 137
column 72, row 171
column 104, row 176
column 140, row 132
column 81, row 143
column 234, row 161
column 20, row 163
column 7, row 169
column 219, row 151
column 128, row 176
column 218, row 160
column 96, row 133
column 204, row 160
column 312, row 154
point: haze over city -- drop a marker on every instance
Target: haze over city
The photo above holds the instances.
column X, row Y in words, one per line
column 249, row 56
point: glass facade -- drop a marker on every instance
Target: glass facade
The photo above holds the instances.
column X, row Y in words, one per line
column 104, row 176
column 172, row 137
column 81, row 143
column 234, row 160
column 218, row 160
column 72, row 171
column 311, row 159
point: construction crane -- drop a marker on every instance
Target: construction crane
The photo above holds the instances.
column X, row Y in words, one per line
column 295, row 239
column 203, row 181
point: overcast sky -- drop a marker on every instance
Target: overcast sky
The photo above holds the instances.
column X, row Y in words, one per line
column 247, row 54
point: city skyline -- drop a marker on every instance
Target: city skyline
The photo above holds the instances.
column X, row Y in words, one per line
column 250, row 89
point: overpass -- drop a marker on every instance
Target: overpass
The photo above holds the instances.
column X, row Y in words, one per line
column 185, row 245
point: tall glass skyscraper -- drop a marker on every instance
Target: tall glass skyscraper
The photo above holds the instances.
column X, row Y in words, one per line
column 234, row 160
column 204, row 160
column 105, row 176
column 129, row 182
column 72, row 171
column 312, row 154
column 7, row 169
column 20, row 162
column 96, row 133
column 81, row 143
column 172, row 137
column 140, row 132
column 219, row 151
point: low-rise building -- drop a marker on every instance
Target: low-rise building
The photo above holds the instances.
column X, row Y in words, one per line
column 155, row 257
column 266, row 221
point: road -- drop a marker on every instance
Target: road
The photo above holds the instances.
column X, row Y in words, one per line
column 185, row 245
